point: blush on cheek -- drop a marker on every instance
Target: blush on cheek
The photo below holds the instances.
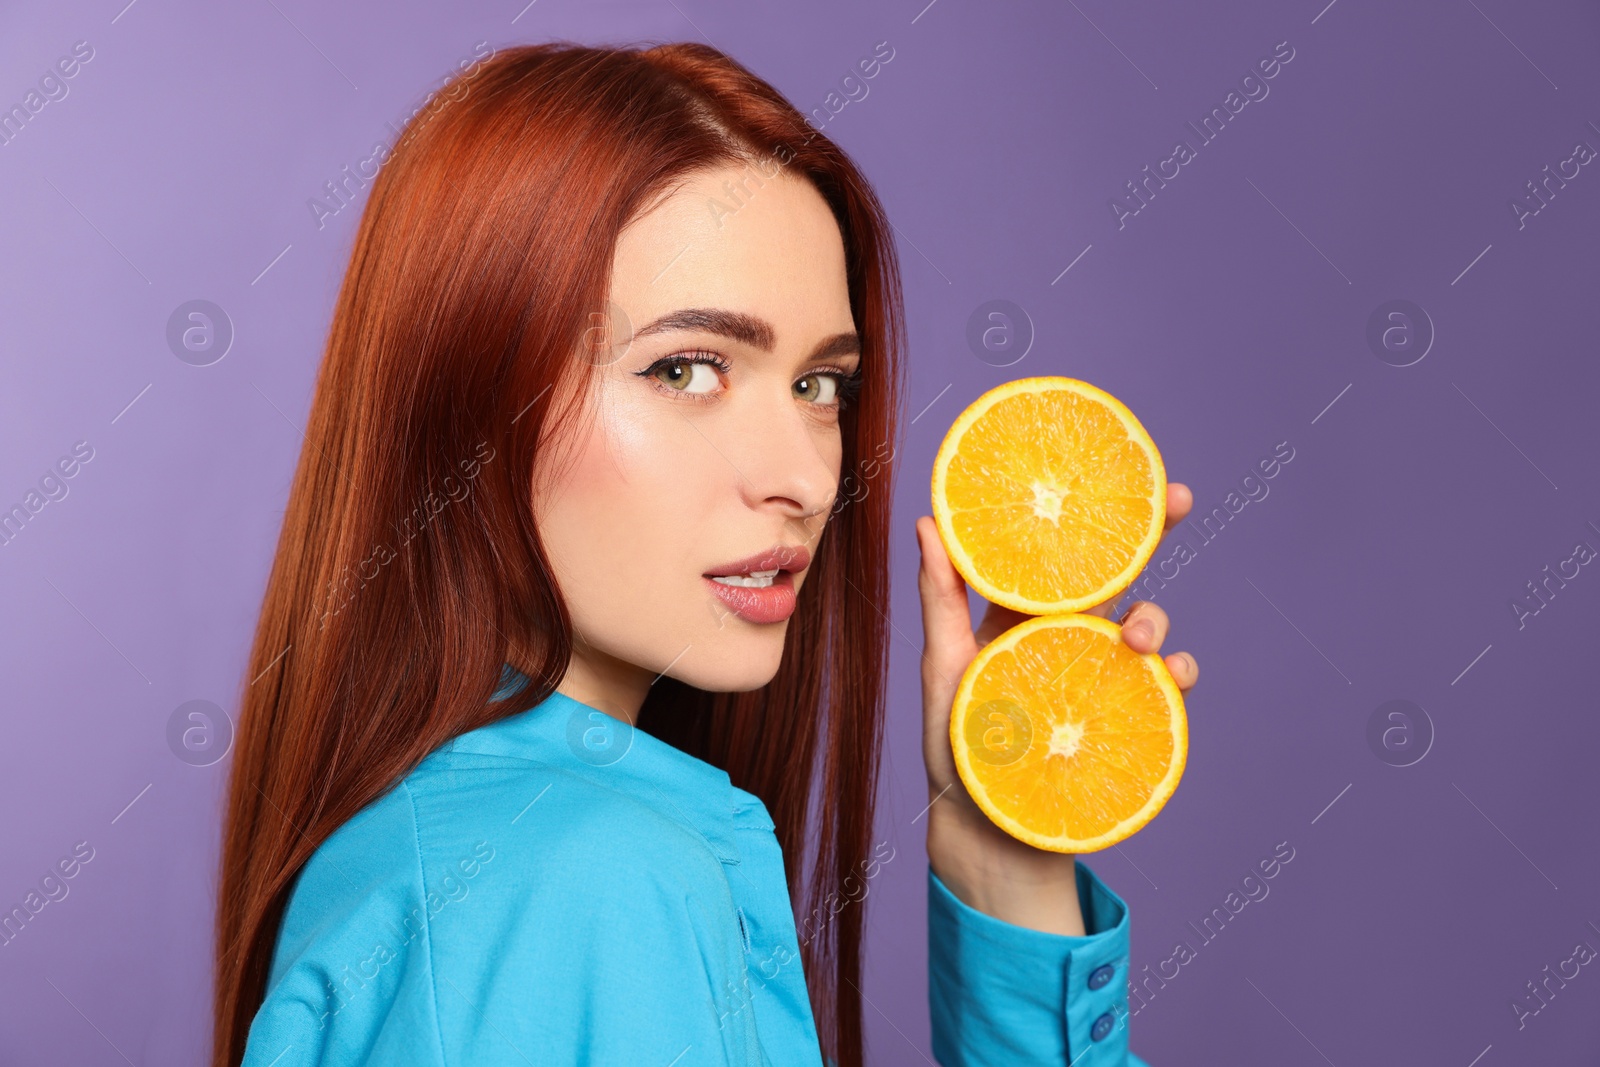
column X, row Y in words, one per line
column 628, row 498
column 664, row 465
column 635, row 442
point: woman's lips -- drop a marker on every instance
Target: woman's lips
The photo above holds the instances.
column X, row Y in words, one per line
column 792, row 558
column 772, row 603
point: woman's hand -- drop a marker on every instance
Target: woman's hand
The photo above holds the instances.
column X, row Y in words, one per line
column 980, row 863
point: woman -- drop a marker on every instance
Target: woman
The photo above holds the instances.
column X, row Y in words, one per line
column 571, row 626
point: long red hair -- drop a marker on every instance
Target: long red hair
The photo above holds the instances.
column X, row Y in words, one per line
column 409, row 567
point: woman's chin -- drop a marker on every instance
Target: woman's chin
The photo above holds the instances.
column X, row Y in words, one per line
column 732, row 667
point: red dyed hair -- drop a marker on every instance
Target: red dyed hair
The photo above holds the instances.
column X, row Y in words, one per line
column 482, row 258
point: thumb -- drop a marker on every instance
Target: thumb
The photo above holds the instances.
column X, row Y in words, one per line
column 948, row 644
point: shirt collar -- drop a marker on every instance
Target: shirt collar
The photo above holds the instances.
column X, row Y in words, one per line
column 585, row 741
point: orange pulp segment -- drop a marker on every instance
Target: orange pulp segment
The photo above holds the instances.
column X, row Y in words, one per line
column 1049, row 495
column 1068, row 739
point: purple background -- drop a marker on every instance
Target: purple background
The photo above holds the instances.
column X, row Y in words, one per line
column 1230, row 314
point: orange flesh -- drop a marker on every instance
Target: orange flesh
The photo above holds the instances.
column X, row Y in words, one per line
column 1068, row 735
column 1049, row 497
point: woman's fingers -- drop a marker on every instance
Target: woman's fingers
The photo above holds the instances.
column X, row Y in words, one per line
column 950, row 642
column 947, row 642
column 1144, row 627
column 947, row 649
column 1185, row 671
column 997, row 619
column 1179, row 501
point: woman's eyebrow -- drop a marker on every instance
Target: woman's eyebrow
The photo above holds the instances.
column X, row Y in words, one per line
column 746, row 329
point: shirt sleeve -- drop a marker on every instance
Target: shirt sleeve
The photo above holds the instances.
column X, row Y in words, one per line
column 349, row 981
column 999, row 993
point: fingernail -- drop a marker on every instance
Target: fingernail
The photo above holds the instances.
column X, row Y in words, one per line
column 1142, row 630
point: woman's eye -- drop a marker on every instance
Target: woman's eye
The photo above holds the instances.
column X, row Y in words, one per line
column 824, row 389
column 686, row 377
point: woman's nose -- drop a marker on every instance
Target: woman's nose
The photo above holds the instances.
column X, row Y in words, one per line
column 791, row 458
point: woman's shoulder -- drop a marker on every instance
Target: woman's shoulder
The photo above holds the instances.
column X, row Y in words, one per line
column 460, row 817
column 546, row 816
column 511, row 833
column 476, row 869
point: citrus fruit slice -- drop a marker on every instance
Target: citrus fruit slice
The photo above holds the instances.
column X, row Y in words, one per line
column 1049, row 496
column 1068, row 739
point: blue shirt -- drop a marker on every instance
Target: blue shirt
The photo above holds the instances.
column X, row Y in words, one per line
column 560, row 888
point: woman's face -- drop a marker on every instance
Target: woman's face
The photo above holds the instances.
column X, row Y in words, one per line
column 683, row 470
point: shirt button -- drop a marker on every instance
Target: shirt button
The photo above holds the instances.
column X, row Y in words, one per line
column 1102, row 1027
column 1100, row 976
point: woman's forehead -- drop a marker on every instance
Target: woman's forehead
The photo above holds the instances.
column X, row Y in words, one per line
column 777, row 253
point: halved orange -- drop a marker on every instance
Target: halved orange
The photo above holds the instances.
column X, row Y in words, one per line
column 1068, row 739
column 1049, row 495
